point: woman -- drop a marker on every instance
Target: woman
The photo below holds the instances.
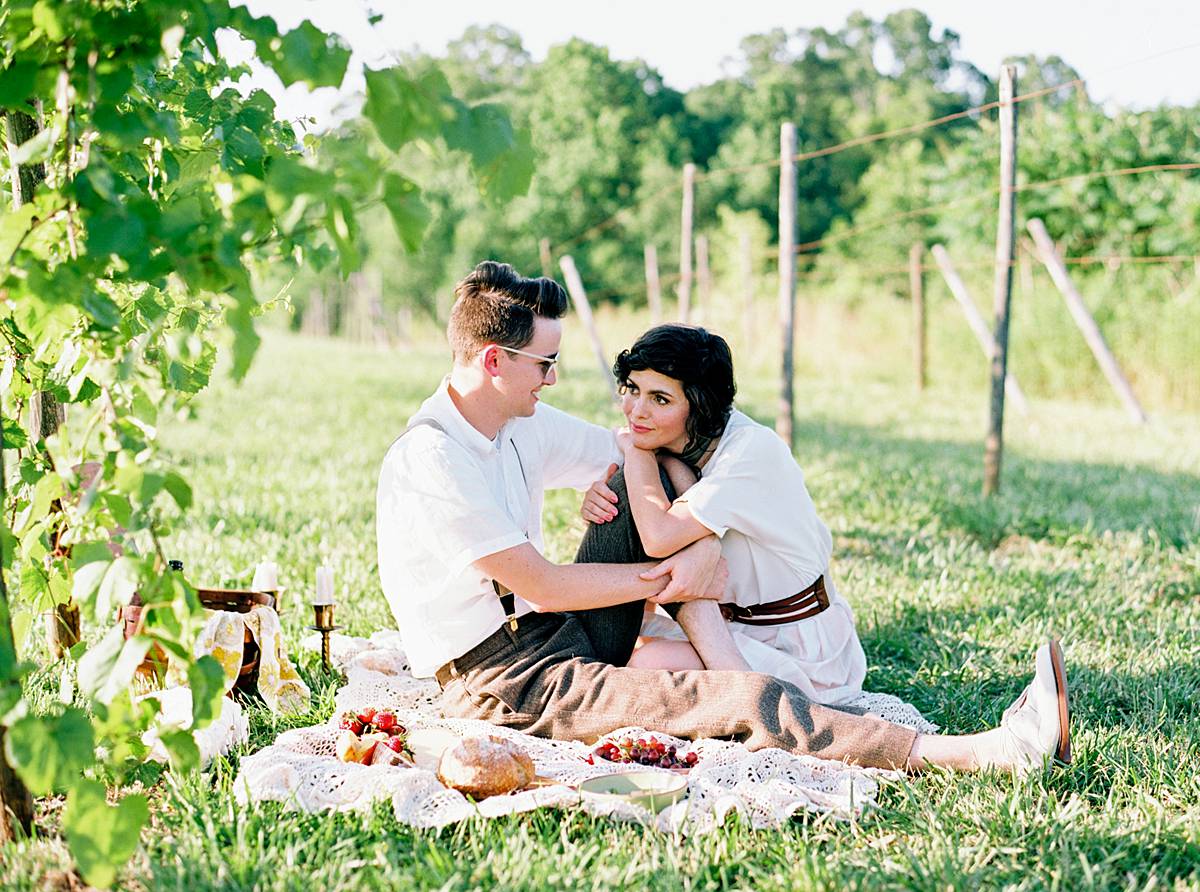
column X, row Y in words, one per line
column 736, row 479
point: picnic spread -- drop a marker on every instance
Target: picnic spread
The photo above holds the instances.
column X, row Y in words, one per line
column 302, row 767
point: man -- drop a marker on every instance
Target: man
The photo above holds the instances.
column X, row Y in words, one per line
column 459, row 529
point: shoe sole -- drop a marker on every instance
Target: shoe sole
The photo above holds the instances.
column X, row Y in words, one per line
column 1063, row 752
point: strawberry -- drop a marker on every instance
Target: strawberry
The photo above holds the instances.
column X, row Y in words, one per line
column 367, row 716
column 384, row 721
column 396, row 744
column 351, row 722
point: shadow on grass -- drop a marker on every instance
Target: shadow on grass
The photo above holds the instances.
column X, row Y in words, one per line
column 939, row 482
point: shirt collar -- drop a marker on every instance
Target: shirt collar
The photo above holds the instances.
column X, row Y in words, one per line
column 440, row 407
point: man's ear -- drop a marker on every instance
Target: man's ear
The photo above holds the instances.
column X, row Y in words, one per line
column 490, row 360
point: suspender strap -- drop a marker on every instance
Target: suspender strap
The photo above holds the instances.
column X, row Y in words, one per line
column 508, row 604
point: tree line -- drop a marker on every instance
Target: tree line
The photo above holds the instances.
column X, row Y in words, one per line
column 611, row 138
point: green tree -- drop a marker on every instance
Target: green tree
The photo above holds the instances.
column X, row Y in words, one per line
column 124, row 272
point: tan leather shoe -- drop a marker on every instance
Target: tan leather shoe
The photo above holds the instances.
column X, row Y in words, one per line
column 1037, row 725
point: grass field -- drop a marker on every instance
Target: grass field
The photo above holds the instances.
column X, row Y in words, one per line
column 1096, row 537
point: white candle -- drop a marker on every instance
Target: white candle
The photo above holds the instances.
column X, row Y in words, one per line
column 324, row 585
column 266, row 577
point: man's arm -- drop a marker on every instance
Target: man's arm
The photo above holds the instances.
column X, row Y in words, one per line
column 697, row 572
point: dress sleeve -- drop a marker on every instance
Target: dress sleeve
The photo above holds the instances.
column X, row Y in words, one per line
column 575, row 452
column 448, row 503
column 742, row 479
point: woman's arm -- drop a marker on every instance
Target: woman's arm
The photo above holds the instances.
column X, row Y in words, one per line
column 664, row 527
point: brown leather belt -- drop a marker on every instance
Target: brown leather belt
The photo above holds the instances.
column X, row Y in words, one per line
column 802, row 605
column 504, row 638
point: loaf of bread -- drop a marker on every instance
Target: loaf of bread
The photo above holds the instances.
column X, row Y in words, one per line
column 485, row 766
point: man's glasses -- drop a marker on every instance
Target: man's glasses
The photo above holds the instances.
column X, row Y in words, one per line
column 547, row 364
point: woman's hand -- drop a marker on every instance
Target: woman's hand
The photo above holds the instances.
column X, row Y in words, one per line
column 599, row 500
column 624, row 440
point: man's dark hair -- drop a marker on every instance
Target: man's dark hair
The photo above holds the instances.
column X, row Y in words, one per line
column 496, row 305
column 702, row 363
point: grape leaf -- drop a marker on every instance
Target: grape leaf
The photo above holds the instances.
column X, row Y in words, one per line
column 101, row 837
column 409, row 213
column 50, row 752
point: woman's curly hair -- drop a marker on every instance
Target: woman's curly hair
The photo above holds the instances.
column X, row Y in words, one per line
column 702, row 363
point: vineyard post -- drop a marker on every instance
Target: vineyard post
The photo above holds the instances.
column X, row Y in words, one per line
column 584, row 309
column 653, row 286
column 1002, row 294
column 685, row 241
column 1049, row 256
column 785, row 418
column 958, row 288
column 916, row 283
column 546, row 257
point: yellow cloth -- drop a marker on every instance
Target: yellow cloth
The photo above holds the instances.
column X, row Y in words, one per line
column 223, row 638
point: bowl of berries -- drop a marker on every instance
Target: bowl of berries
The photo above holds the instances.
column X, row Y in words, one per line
column 373, row 737
column 653, row 790
column 648, row 751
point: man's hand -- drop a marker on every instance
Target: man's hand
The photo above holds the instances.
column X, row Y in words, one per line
column 697, row 571
column 599, row 500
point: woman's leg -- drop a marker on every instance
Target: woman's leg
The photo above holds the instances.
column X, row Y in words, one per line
column 614, row 630
column 709, row 634
column 665, row 653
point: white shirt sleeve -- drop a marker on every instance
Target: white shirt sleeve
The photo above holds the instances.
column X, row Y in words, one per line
column 460, row 519
column 739, row 484
column 575, row 453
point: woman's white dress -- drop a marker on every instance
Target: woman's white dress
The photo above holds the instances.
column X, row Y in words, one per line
column 751, row 493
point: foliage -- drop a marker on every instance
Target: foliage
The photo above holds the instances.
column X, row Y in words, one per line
column 612, row 138
column 165, row 188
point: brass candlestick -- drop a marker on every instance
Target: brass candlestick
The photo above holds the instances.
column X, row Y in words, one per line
column 323, row 623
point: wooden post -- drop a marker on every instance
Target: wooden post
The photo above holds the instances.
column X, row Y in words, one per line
column 19, row 128
column 546, row 258
column 747, row 252
column 45, row 411
column 703, row 278
column 1002, row 293
column 584, row 309
column 16, row 805
column 685, row 241
column 916, row 284
column 958, row 288
column 785, row 418
column 653, row 286
column 1049, row 255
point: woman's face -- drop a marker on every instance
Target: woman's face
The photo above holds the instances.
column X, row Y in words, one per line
column 656, row 411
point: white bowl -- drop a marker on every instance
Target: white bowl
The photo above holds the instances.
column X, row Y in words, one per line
column 654, row 790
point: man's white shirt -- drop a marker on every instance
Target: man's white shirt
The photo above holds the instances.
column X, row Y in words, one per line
column 449, row 497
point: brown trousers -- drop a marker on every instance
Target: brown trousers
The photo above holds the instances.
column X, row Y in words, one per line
column 552, row 682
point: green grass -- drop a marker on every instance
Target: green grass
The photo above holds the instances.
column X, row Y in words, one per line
column 1096, row 537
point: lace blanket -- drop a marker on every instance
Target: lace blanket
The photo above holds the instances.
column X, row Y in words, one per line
column 767, row 786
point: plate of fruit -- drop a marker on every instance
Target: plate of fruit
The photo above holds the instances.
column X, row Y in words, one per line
column 373, row 737
column 648, row 751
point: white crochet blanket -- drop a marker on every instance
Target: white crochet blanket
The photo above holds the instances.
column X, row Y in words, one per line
column 767, row 786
